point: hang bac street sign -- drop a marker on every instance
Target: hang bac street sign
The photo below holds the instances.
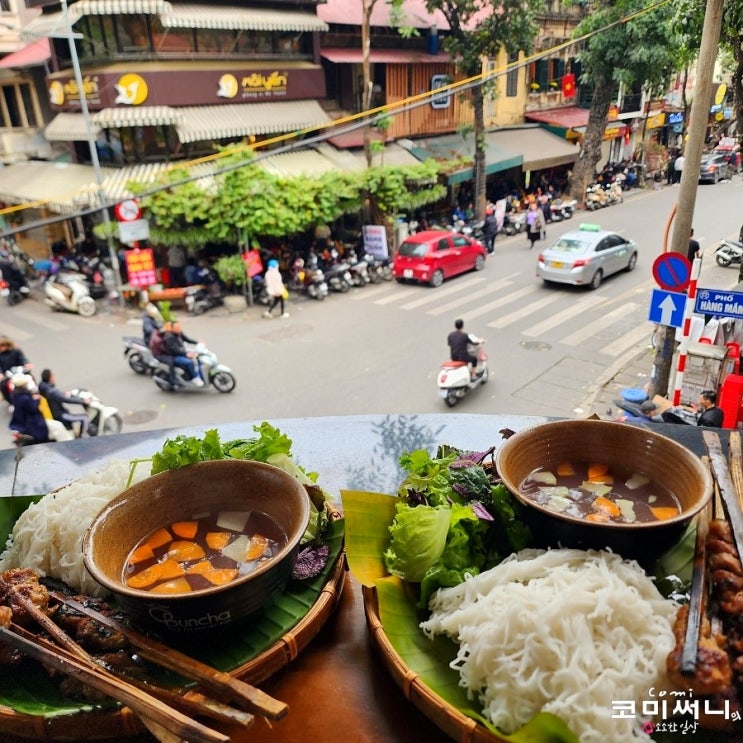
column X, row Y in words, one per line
column 719, row 303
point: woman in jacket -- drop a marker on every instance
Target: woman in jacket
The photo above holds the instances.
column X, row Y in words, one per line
column 535, row 224
column 274, row 288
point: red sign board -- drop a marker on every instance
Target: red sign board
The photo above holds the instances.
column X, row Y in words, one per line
column 672, row 272
column 140, row 267
column 253, row 263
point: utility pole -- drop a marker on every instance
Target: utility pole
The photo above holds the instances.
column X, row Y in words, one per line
column 689, row 178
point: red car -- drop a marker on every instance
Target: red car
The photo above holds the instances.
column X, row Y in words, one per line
column 435, row 255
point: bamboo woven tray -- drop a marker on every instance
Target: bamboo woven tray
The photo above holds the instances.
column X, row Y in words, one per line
column 448, row 719
column 122, row 722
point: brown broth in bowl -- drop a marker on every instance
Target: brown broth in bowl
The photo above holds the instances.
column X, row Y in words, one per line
column 597, row 493
column 206, row 551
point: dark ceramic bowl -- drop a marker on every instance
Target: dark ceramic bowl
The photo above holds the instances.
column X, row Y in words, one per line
column 627, row 449
column 176, row 495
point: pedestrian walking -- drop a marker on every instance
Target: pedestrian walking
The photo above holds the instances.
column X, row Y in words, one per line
column 678, row 168
column 177, row 265
column 275, row 289
column 535, row 224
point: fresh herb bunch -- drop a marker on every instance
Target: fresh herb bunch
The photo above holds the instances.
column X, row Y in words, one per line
column 454, row 517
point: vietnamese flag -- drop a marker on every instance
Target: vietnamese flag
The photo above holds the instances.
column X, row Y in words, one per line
column 568, row 85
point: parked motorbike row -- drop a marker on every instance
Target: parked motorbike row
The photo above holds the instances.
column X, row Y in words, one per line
column 729, row 253
column 212, row 372
column 600, row 195
column 76, row 285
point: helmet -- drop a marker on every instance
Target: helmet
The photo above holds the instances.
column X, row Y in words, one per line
column 273, row 263
column 489, row 210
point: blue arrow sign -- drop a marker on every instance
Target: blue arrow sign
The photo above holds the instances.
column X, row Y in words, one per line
column 720, row 303
column 667, row 308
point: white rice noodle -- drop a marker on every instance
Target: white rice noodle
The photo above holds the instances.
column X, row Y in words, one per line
column 562, row 631
column 48, row 535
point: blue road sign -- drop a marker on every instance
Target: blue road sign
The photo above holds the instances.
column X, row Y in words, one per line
column 720, row 303
column 667, row 308
column 672, row 271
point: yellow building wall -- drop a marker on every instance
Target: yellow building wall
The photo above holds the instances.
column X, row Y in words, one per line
column 501, row 109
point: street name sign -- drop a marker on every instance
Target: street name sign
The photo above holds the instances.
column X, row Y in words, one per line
column 720, row 303
column 667, row 308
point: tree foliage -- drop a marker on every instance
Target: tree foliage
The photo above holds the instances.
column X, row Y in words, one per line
column 479, row 29
column 643, row 49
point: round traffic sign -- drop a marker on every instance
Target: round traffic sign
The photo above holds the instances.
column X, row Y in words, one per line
column 672, row 272
column 128, row 210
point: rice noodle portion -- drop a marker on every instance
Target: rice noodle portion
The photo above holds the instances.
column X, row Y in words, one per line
column 48, row 535
column 563, row 631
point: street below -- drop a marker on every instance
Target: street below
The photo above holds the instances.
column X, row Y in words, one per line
column 377, row 349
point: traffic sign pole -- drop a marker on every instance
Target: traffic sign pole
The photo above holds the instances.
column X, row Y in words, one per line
column 686, row 330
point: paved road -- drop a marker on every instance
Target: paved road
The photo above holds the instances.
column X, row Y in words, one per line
column 377, row 349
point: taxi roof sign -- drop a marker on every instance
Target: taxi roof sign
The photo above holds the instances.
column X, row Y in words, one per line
column 588, row 227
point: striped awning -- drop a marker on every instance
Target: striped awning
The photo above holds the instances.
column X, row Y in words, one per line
column 69, row 127
column 241, row 120
column 240, row 19
column 116, row 118
column 117, row 7
column 303, row 162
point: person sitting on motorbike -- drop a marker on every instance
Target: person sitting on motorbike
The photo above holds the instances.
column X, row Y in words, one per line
column 174, row 341
column 27, row 418
column 57, row 399
column 151, row 320
column 12, row 359
column 208, row 279
column 459, row 343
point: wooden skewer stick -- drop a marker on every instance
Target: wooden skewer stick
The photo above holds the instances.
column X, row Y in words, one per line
column 697, row 596
column 219, row 684
column 172, row 721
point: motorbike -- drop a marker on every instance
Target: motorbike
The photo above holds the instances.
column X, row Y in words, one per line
column 562, row 209
column 455, row 380
column 359, row 269
column 513, row 223
column 137, row 354
column 596, row 197
column 212, row 372
column 103, row 420
column 13, row 284
column 337, row 273
column 729, row 252
column 68, row 290
column 310, row 281
column 199, row 299
column 380, row 269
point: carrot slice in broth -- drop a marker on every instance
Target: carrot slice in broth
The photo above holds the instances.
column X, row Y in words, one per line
column 140, row 554
column 171, row 569
column 200, row 568
column 220, row 576
column 664, row 512
column 606, row 506
column 145, row 578
column 596, row 470
column 185, row 551
column 185, row 529
column 177, row 585
column 565, row 469
column 159, row 538
column 597, row 517
column 218, row 540
column 258, row 545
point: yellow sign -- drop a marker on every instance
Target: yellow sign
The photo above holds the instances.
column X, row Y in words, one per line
column 227, row 86
column 722, row 89
column 131, row 90
column 56, row 93
column 259, row 82
column 656, row 121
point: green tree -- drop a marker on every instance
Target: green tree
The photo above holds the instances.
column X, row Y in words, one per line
column 478, row 30
column 643, row 49
column 732, row 38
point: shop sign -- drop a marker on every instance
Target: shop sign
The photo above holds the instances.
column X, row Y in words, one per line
column 254, row 85
column 440, row 101
column 675, row 118
column 61, row 91
column 375, row 240
column 253, row 262
column 140, row 267
column 656, row 121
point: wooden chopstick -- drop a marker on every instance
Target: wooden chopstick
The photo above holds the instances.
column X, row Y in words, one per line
column 219, row 684
column 191, row 703
column 143, row 704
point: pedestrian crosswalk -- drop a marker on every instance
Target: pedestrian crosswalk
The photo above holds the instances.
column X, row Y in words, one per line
column 611, row 324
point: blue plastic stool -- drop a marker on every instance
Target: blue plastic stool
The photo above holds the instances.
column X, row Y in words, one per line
column 634, row 394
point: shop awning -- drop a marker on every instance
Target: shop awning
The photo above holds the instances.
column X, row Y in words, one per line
column 539, row 148
column 68, row 127
column 118, row 7
column 454, row 146
column 303, row 162
column 32, row 55
column 570, row 117
column 240, row 120
column 117, row 118
column 240, row 19
column 61, row 187
column 382, row 56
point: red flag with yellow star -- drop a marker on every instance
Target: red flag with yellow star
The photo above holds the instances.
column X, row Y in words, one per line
column 568, row 86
